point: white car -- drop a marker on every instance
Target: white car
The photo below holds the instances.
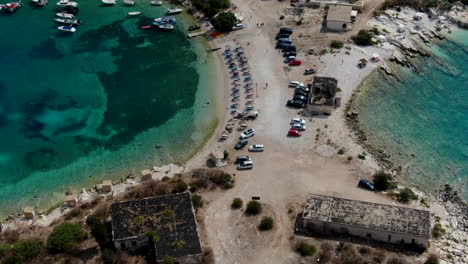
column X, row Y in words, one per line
column 238, row 26
column 256, row 148
column 295, row 84
column 298, row 121
column 299, row 127
column 245, row 165
column 247, row 133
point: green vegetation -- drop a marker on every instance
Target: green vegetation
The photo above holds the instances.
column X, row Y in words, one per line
column 338, row 89
column 4, row 248
column 225, row 154
column 424, row 202
column 375, row 31
column 23, row 249
column 168, row 260
column 224, row 21
column 139, row 220
column 350, row 158
column 381, row 181
column 180, row 186
column 336, row 44
column 168, row 214
column 416, row 4
column 438, row 230
column 197, row 201
column 266, row 223
column 341, row 151
column 153, row 235
column 236, row 203
column 407, row 195
column 363, row 38
column 306, row 250
column 98, row 229
column 211, row 7
column 449, row 256
column 222, row 179
column 323, row 52
column 361, row 157
column 432, row 259
column 177, row 244
column 254, row 208
column 65, row 237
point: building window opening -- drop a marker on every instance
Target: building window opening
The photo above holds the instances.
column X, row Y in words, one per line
column 413, row 241
column 122, row 245
column 402, row 241
column 344, row 26
column 369, row 236
column 134, row 243
column 389, row 237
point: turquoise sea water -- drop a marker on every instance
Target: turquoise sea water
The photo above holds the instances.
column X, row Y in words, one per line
column 79, row 108
column 424, row 114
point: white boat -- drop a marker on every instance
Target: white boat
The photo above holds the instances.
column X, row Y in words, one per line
column 166, row 27
column 67, row 3
column 67, row 21
column 109, row 2
column 65, row 15
column 134, row 13
column 174, row 11
column 67, row 28
column 129, row 2
column 156, row 3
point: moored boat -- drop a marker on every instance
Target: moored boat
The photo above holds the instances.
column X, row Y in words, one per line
column 174, row 10
column 67, row 3
column 136, row 13
column 69, row 9
column 40, row 2
column 194, row 27
column 68, row 21
column 65, row 15
column 69, row 28
column 156, row 3
column 165, row 20
column 166, row 27
column 129, row 2
column 11, row 7
column 109, row 2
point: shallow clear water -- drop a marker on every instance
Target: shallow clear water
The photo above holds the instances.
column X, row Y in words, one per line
column 79, row 108
column 424, row 114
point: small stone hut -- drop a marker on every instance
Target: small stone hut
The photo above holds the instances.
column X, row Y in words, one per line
column 29, row 213
column 339, row 17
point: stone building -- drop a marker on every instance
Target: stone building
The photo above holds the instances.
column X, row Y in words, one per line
column 171, row 218
column 323, row 96
column 326, row 215
column 339, row 18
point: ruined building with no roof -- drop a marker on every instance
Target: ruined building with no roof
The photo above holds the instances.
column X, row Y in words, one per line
column 326, row 215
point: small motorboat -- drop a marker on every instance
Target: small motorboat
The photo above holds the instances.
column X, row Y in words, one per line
column 69, row 28
column 65, row 15
column 129, row 2
column 109, row 2
column 146, row 27
column 136, row 13
column 194, row 27
column 165, row 20
column 174, row 10
column 166, row 27
column 67, row 3
column 11, row 7
column 156, row 3
column 40, row 2
column 67, row 21
column 69, row 9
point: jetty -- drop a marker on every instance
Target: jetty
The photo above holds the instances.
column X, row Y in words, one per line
column 195, row 34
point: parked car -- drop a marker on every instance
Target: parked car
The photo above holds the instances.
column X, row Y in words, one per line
column 294, row 133
column 300, row 92
column 290, row 58
column 256, row 148
column 303, row 88
column 366, row 185
column 289, row 53
column 298, row 127
column 286, row 30
column 294, row 103
column 241, row 144
column 309, row 71
column 288, row 47
column 285, row 40
column 247, row 133
column 245, row 165
column 295, row 62
column 298, row 121
column 282, row 35
column 295, row 84
column 280, row 45
column 242, row 158
column 299, row 98
column 238, row 26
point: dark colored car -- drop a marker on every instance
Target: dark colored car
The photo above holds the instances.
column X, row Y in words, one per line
column 242, row 158
column 241, row 144
column 303, row 88
column 286, row 30
column 281, row 45
column 300, row 92
column 295, row 103
column 281, row 35
column 309, row 71
column 366, row 185
column 288, row 47
column 289, row 53
column 300, row 98
column 285, row 40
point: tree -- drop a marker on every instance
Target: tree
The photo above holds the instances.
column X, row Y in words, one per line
column 98, row 229
column 266, row 223
column 363, row 38
column 306, row 250
column 254, row 208
column 65, row 237
column 168, row 260
column 197, row 201
column 236, row 203
column 381, row 181
column 28, row 248
column 336, row 44
column 224, row 21
column 406, row 195
column 180, row 186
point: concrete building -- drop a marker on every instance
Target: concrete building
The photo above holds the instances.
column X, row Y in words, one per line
column 325, row 215
column 323, row 96
column 29, row 213
column 170, row 217
column 70, row 200
column 354, row 4
column 339, row 18
column 106, row 186
column 146, row 175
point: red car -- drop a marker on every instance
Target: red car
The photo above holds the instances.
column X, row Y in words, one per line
column 294, row 133
column 295, row 62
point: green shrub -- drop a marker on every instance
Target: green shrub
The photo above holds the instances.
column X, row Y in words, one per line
column 407, row 195
column 153, row 236
column 424, row 202
column 363, row 38
column 65, row 237
column 350, row 158
column 341, row 151
column 381, row 181
column 28, row 248
column 222, row 179
column 197, row 201
column 168, row 260
column 266, row 223
column 361, row 157
column 236, row 203
column 432, row 259
column 438, row 230
column 211, row 7
column 323, row 52
column 336, row 44
column 306, row 250
column 254, row 208
column 98, row 229
column 180, row 186
column 224, row 21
